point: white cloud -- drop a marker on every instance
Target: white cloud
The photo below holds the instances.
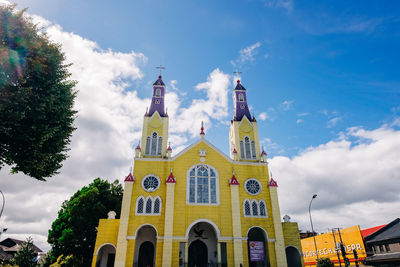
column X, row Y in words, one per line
column 356, row 181
column 287, row 104
column 286, row 4
column 246, row 54
column 263, row 116
column 299, row 121
column 303, row 114
column 332, row 122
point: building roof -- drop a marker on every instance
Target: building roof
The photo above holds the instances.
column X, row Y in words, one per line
column 388, row 234
column 386, row 257
column 12, row 245
column 368, row 231
column 159, row 81
column 239, row 86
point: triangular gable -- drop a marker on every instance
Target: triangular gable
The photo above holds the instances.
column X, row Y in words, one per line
column 233, row 181
column 245, row 125
column 272, row 183
column 198, row 142
column 129, row 178
column 170, row 179
column 155, row 120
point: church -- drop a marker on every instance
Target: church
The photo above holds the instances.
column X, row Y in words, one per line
column 200, row 207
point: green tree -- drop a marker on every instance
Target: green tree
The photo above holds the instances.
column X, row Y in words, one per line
column 36, row 98
column 74, row 230
column 325, row 262
column 25, row 255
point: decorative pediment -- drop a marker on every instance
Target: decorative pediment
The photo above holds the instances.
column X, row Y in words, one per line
column 170, row 179
column 233, row 181
column 245, row 125
column 129, row 178
column 272, row 183
column 155, row 120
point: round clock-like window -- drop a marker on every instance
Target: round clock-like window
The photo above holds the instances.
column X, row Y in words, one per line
column 252, row 186
column 150, row 183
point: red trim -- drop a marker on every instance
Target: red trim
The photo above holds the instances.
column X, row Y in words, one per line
column 233, row 181
column 234, row 150
column 272, row 183
column 169, row 148
column 138, row 147
column 129, row 178
column 171, row 179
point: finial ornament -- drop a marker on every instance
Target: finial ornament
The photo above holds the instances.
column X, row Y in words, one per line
column 160, row 68
column 202, row 129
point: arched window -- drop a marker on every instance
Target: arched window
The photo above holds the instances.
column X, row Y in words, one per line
column 241, row 97
column 157, row 204
column 139, row 206
column 247, row 148
column 203, row 185
column 158, row 92
column 254, row 208
column 263, row 211
column 247, row 211
column 148, row 206
column 153, row 144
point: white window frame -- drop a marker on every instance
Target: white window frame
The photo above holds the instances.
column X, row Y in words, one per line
column 157, row 92
column 159, row 183
column 241, row 97
column 252, row 179
column 195, row 186
column 153, row 200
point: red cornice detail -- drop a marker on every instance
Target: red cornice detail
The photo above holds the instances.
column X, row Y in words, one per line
column 138, row 147
column 272, row 183
column 171, row 179
column 129, row 178
column 234, row 150
column 233, row 181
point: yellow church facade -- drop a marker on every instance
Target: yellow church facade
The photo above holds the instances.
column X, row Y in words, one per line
column 199, row 207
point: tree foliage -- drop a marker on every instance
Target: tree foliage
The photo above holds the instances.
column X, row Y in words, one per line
column 25, row 255
column 74, row 230
column 325, row 262
column 36, row 98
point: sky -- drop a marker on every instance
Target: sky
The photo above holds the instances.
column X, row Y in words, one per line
column 322, row 80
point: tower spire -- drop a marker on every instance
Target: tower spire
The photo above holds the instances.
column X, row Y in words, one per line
column 240, row 103
column 157, row 100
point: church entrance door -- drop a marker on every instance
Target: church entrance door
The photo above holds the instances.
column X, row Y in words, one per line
column 198, row 254
column 146, row 254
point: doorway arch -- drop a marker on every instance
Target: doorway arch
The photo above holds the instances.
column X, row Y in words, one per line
column 202, row 241
column 145, row 246
column 106, row 256
column 257, row 247
column 293, row 257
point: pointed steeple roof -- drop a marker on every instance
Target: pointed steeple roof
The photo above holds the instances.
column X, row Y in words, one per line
column 159, row 81
column 239, row 86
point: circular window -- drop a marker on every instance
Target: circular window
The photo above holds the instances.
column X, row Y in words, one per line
column 150, row 183
column 252, row 186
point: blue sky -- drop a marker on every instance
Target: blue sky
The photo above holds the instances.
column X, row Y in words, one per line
column 322, row 79
column 331, row 59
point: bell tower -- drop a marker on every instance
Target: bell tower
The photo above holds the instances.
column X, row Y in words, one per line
column 155, row 124
column 243, row 133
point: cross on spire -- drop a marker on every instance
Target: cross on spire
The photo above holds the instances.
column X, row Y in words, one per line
column 160, row 68
column 237, row 72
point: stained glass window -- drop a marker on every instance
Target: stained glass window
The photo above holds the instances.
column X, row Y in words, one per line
column 148, row 206
column 247, row 211
column 150, row 183
column 140, row 206
column 262, row 209
column 202, row 185
column 252, row 186
column 254, row 208
column 156, row 209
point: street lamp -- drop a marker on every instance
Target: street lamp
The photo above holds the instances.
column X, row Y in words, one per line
column 312, row 228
